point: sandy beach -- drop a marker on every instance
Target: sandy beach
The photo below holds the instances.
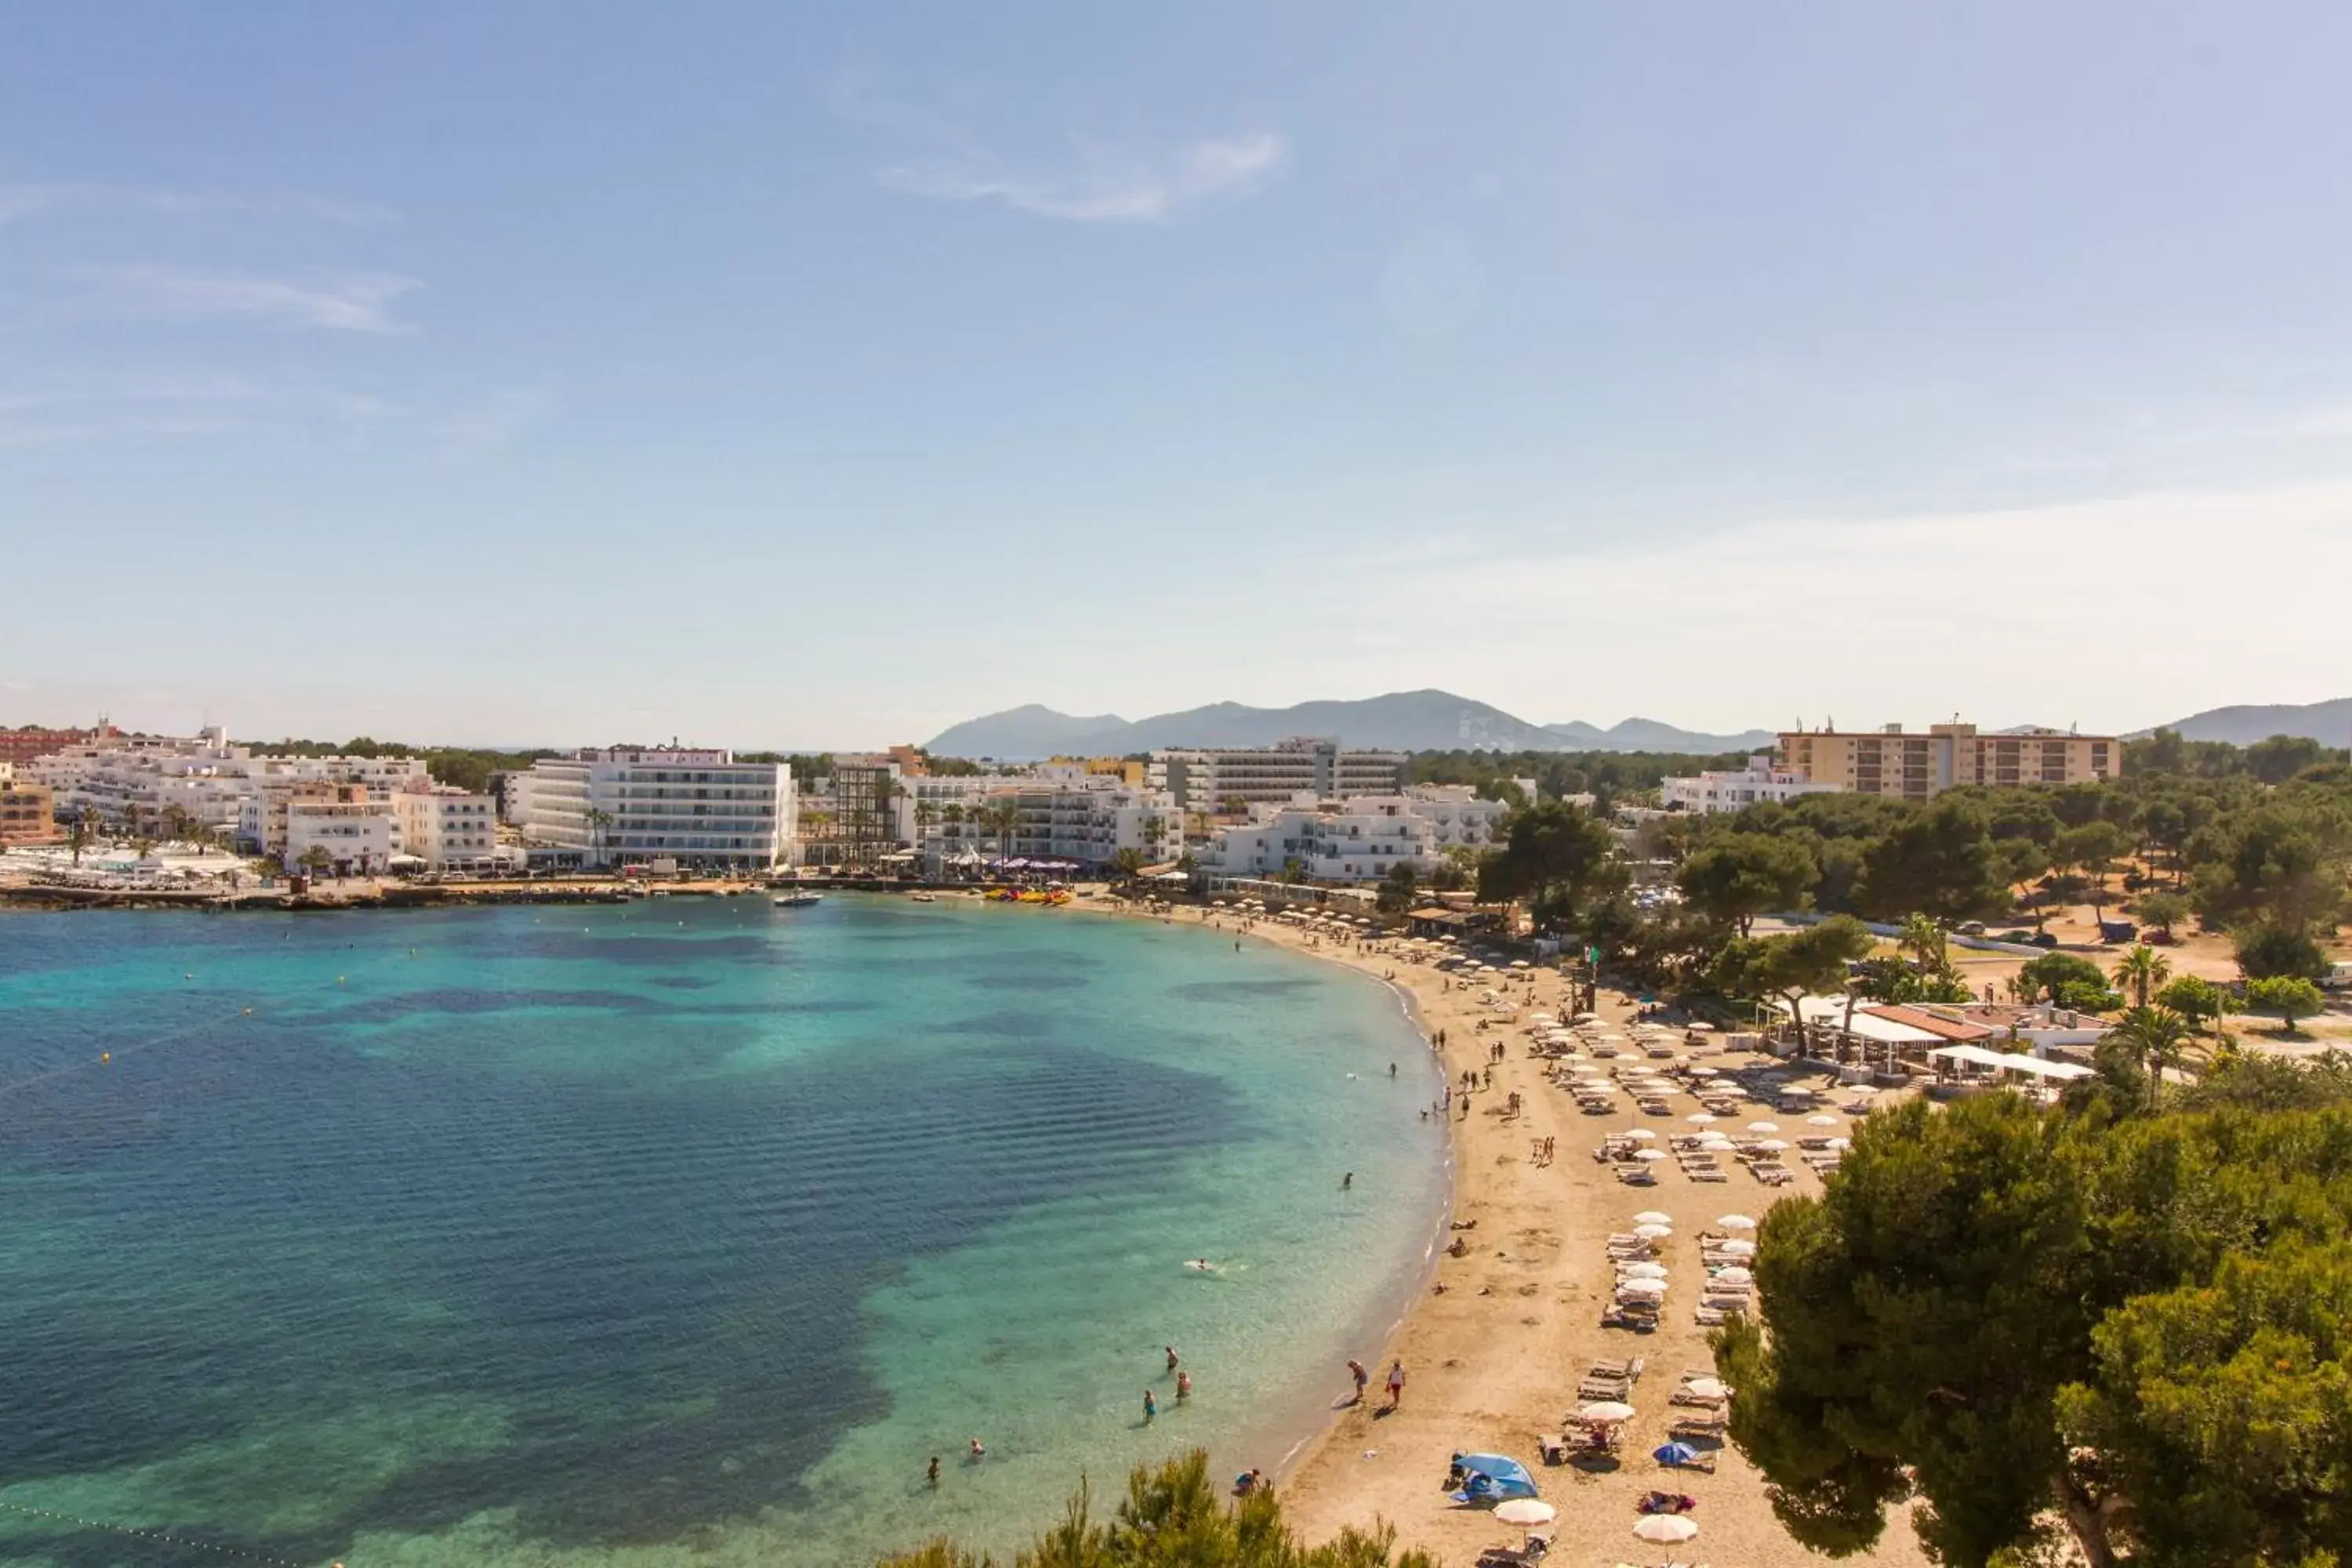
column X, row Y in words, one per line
column 1493, row 1358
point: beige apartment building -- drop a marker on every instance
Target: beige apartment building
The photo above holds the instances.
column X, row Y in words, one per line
column 1914, row 766
column 28, row 814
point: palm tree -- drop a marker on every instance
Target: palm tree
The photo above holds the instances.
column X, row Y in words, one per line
column 598, row 820
column 316, row 860
column 1923, row 937
column 2142, row 971
column 2157, row 1033
column 82, row 834
column 1128, row 863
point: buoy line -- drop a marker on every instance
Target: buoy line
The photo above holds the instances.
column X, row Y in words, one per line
column 107, row 1057
column 156, row 1535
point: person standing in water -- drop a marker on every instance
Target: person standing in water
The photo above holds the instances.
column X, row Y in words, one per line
column 1356, row 1370
column 1150, row 1405
column 1347, row 1181
column 932, row 1475
column 1172, row 1358
column 1183, row 1385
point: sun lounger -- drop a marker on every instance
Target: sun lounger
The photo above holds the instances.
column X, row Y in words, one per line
column 1636, row 1176
column 1699, row 1426
column 1708, row 1174
column 1629, row 1368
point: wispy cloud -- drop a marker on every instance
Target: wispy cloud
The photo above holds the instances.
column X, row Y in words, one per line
column 19, row 203
column 1107, row 186
column 347, row 303
column 492, row 424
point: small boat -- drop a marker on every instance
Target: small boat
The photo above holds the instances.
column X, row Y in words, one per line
column 798, row 899
column 924, row 898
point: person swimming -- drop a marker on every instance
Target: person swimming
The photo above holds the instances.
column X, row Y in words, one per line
column 977, row 1451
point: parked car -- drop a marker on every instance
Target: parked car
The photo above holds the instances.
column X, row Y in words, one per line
column 2044, row 938
column 1971, row 928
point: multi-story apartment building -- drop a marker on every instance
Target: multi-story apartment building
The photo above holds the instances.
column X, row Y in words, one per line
column 448, row 829
column 1223, row 779
column 1356, row 840
column 30, row 742
column 623, row 806
column 1058, row 814
column 352, row 834
column 28, row 814
column 1736, row 791
column 142, row 783
column 1914, row 766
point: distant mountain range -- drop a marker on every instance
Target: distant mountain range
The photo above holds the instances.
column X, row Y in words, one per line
column 1402, row 721
column 2330, row 723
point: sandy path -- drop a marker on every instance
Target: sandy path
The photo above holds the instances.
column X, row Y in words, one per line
column 1494, row 1359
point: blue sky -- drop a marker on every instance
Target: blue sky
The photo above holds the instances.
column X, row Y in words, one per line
column 784, row 375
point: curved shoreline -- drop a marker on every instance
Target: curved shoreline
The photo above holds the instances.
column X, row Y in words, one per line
column 1494, row 1344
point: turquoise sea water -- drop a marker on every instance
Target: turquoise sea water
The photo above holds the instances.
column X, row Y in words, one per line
column 687, row 1230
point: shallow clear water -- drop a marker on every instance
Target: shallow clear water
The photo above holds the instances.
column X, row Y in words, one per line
column 683, row 1230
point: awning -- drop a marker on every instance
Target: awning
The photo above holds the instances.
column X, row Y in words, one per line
column 2010, row 1062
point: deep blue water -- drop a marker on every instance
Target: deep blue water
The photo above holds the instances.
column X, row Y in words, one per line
column 690, row 1226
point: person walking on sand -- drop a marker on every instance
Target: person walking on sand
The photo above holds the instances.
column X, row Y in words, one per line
column 1356, row 1370
column 1396, row 1384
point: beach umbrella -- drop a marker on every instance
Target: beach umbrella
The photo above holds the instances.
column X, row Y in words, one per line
column 1653, row 1231
column 1652, row 1216
column 1639, row 1135
column 1733, row 1274
column 1642, row 1290
column 1840, row 1143
column 1674, row 1454
column 1735, row 1221
column 1606, row 1410
column 1763, row 1127
column 1718, row 1145
column 1526, row 1510
column 1586, row 1018
column 1700, row 1119
column 1702, row 1072
column 1823, row 1121
column 1643, row 1270
column 1735, row 1247
column 1646, row 1153
column 1666, row 1529
column 1771, row 1145
column 1708, row 1388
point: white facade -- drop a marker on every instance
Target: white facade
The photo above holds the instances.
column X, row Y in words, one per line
column 139, row 781
column 1759, row 781
column 1361, row 839
column 1055, row 813
column 355, row 836
column 620, row 807
column 1209, row 779
column 448, row 829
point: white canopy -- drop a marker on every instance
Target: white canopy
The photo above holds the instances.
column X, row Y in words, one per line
column 2009, row 1062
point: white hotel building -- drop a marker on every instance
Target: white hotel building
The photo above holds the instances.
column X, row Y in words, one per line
column 1357, row 840
column 1062, row 814
column 1736, row 791
column 621, row 806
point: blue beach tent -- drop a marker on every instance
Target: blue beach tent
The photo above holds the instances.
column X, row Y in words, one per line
column 1493, row 1479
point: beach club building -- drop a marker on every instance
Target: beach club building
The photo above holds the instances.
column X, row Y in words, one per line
column 443, row 829
column 632, row 805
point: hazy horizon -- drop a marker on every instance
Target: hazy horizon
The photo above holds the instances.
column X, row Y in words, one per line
column 777, row 373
